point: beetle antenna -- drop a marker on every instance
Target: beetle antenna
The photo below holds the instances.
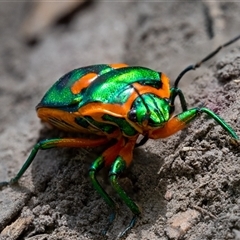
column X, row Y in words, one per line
column 198, row 64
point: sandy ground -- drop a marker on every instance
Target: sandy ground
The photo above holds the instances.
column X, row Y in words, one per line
column 188, row 185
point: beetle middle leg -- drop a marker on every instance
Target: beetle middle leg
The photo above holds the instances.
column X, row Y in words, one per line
column 105, row 160
column 122, row 161
column 119, row 156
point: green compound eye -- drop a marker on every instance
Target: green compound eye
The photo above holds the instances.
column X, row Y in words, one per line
column 151, row 109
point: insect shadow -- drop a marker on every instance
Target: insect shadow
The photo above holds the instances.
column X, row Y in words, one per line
column 64, row 195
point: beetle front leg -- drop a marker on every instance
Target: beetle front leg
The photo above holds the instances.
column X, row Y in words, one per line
column 181, row 120
column 174, row 93
column 97, row 165
column 122, row 161
column 53, row 143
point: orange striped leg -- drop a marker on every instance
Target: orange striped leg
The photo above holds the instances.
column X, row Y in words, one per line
column 102, row 161
column 181, row 120
column 122, row 161
column 53, row 143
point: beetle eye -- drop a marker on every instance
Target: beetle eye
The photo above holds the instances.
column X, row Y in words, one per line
column 132, row 115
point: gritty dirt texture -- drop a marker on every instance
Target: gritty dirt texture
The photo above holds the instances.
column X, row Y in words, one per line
column 188, row 186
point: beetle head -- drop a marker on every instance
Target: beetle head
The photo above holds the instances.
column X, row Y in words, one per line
column 149, row 110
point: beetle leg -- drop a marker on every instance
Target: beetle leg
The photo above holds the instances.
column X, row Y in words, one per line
column 122, row 161
column 52, row 143
column 180, row 121
column 105, row 160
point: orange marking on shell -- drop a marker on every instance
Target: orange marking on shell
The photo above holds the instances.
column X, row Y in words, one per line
column 66, row 121
column 83, row 82
column 118, row 65
column 96, row 110
column 166, row 86
column 61, row 119
column 163, row 92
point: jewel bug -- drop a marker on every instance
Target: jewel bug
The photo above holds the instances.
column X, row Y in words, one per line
column 117, row 103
